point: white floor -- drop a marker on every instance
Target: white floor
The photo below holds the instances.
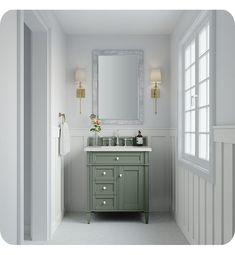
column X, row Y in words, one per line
column 118, row 228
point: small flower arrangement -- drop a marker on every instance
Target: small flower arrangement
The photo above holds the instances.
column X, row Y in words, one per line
column 96, row 123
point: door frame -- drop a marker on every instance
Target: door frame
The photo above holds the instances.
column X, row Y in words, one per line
column 36, row 24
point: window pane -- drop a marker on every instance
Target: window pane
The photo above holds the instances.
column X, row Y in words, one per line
column 204, row 93
column 187, row 57
column 187, row 143
column 204, row 146
column 190, row 77
column 190, row 144
column 187, row 79
column 204, row 119
column 190, row 54
column 190, row 99
column 204, row 67
column 192, row 149
column 187, row 122
column 190, row 121
column 204, row 40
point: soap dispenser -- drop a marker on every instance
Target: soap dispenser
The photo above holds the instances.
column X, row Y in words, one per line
column 139, row 141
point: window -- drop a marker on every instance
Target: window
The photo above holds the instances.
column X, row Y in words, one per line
column 196, row 106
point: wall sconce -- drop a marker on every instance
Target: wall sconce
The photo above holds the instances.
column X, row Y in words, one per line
column 80, row 78
column 156, row 79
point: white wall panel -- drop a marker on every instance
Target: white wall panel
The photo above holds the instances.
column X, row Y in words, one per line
column 228, row 192
column 57, row 183
column 208, row 214
column 196, row 210
column 218, row 193
column 9, row 128
column 58, row 92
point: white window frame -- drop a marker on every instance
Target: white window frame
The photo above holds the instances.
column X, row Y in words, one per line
column 201, row 167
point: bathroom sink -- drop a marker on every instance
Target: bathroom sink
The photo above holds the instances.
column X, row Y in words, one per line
column 112, row 147
column 118, row 148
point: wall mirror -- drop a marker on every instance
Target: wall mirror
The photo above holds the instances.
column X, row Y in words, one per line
column 118, row 86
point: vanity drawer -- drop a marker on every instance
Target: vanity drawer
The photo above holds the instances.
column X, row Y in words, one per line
column 104, row 203
column 104, row 188
column 101, row 173
column 118, row 158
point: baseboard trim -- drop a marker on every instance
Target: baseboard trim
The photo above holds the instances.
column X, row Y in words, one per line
column 56, row 224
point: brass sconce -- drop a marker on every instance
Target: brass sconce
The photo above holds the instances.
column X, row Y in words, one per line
column 80, row 78
column 156, row 79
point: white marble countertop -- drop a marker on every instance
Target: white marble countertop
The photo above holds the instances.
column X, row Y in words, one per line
column 117, row 148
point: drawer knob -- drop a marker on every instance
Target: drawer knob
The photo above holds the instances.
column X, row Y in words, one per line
column 120, row 175
column 104, row 202
column 104, row 188
column 117, row 158
column 104, row 173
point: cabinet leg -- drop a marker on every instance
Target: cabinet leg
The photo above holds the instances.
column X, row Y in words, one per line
column 88, row 217
column 146, row 214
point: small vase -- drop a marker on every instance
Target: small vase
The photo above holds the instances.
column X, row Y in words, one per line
column 95, row 139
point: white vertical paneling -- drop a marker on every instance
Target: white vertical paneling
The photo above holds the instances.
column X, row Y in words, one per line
column 159, row 175
column 233, row 188
column 202, row 212
column 228, row 192
column 218, row 192
column 171, row 177
column 77, row 180
column 209, row 213
column 186, row 199
column 57, row 183
column 181, row 195
column 196, row 210
column 173, row 173
column 207, row 216
column 191, row 204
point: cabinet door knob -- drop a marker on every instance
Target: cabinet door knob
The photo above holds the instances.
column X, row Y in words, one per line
column 120, row 175
column 104, row 202
column 117, row 158
column 104, row 188
column 104, row 173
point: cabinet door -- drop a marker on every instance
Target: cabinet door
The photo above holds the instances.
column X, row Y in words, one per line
column 131, row 187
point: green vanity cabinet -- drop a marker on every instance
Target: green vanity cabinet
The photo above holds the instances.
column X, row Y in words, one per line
column 118, row 181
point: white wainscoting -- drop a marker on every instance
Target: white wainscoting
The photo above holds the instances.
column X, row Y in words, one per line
column 203, row 210
column 57, row 183
column 76, row 171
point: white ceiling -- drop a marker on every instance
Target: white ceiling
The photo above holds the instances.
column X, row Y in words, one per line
column 118, row 22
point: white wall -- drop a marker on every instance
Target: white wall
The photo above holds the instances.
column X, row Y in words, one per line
column 157, row 54
column 204, row 210
column 8, row 134
column 225, row 68
column 58, row 92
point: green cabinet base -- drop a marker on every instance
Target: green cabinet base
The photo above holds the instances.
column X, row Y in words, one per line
column 118, row 182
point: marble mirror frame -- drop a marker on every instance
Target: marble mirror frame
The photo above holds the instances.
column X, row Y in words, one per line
column 140, row 84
